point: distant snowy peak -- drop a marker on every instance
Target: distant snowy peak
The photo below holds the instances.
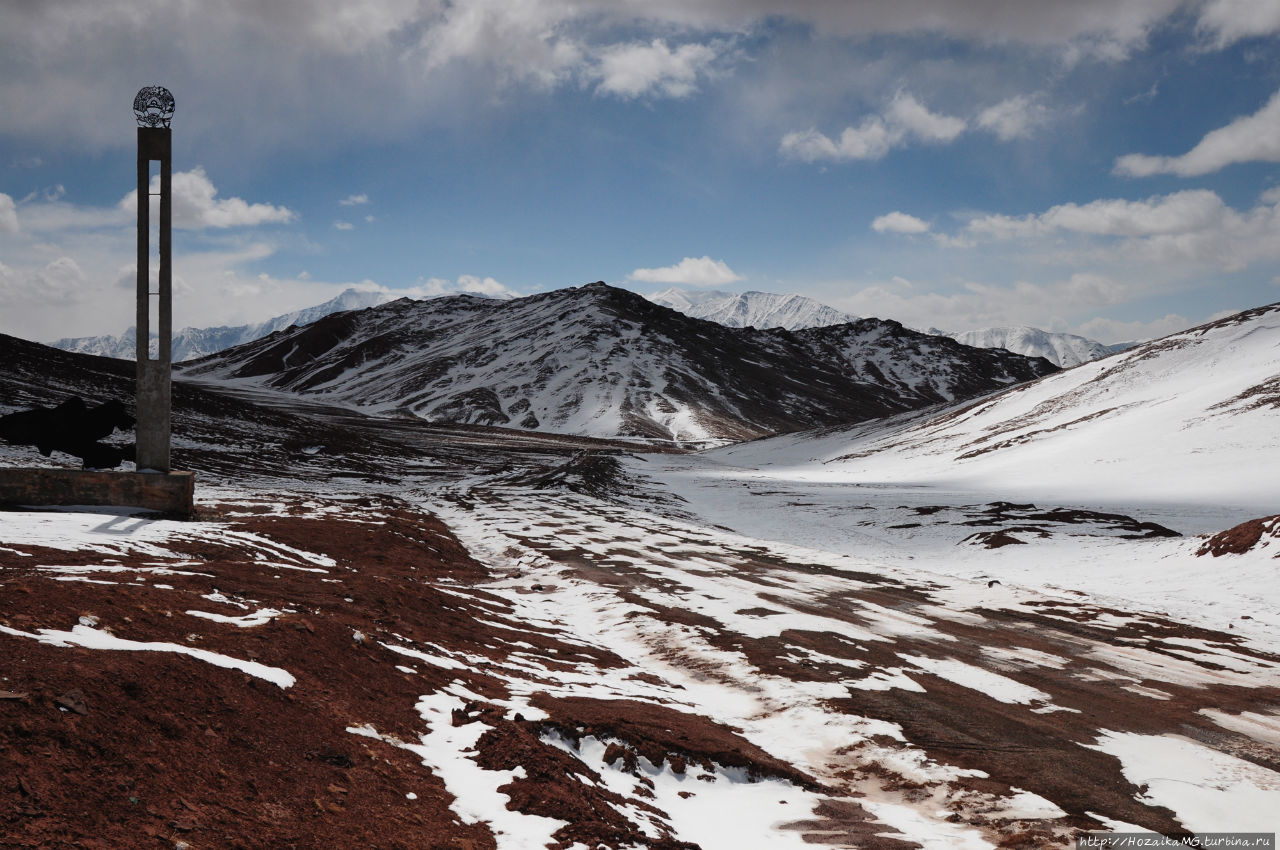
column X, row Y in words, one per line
column 191, row 343
column 122, row 347
column 604, row 362
column 1062, row 349
column 349, row 299
column 752, row 309
column 796, row 312
column 685, row 300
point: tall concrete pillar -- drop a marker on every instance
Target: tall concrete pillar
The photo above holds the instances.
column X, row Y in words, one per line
column 153, row 108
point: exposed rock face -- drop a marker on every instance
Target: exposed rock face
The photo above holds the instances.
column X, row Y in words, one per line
column 1256, row 534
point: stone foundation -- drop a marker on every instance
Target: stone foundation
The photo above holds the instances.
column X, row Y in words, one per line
column 171, row 492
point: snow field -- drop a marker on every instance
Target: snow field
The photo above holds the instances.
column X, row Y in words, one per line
column 787, row 507
column 1209, row 790
column 696, row 569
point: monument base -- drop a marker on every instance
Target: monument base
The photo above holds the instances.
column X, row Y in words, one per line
column 172, row 492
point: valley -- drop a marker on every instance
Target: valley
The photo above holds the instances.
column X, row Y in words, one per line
column 388, row 631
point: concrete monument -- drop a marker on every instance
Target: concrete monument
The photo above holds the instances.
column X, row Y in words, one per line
column 153, row 108
column 154, row 486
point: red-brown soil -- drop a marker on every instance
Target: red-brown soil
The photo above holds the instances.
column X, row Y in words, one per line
column 1241, row 538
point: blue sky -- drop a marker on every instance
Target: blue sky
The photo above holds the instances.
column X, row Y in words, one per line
column 1105, row 167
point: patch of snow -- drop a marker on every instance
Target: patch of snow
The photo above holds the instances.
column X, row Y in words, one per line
column 993, row 685
column 90, row 638
column 448, row 751
column 1208, row 790
column 718, row 810
column 246, row 621
column 433, row 660
column 1260, row 727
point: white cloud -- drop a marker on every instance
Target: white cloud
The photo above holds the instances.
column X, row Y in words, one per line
column 1113, row 331
column 59, row 216
column 1181, row 212
column 1228, row 21
column 912, row 118
column 1087, row 268
column 343, row 225
column 899, row 222
column 524, row 41
column 485, row 286
column 870, row 140
column 691, row 271
column 905, row 119
column 196, row 205
column 1068, row 304
column 1014, row 118
column 1144, row 96
column 636, row 69
column 354, row 200
column 61, row 281
column 1186, row 230
column 8, row 214
column 436, row 286
column 1250, row 138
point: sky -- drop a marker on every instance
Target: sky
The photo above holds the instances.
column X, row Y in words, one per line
column 1101, row 167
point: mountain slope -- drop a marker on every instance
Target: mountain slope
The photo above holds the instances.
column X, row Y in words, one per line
column 916, row 365
column 1192, row 416
column 752, row 309
column 601, row 361
column 191, row 343
column 1063, row 349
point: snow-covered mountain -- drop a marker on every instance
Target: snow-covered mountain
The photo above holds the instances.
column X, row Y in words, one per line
column 600, row 361
column 1195, row 414
column 752, row 309
column 1063, row 349
column 191, row 343
column 686, row 300
column 796, row 312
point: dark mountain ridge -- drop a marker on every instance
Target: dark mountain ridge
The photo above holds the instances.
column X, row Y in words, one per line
column 596, row 360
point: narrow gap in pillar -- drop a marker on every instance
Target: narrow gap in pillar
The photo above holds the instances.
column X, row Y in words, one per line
column 153, row 264
column 153, row 311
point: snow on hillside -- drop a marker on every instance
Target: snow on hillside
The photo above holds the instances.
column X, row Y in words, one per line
column 685, row 300
column 913, row 364
column 600, row 361
column 1190, row 417
column 191, row 343
column 1062, row 349
column 752, row 309
column 379, row 631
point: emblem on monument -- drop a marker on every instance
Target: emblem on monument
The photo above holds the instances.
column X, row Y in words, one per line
column 153, row 106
